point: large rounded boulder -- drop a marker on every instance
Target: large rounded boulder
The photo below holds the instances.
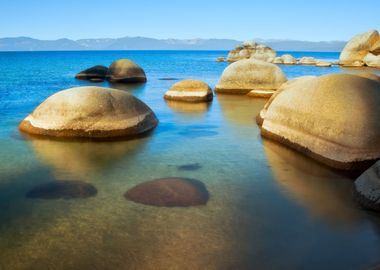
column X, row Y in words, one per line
column 189, row 91
column 92, row 112
column 362, row 49
column 367, row 188
column 333, row 118
column 126, row 71
column 95, row 73
column 245, row 75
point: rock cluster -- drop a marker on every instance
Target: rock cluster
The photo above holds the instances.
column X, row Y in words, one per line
column 253, row 50
column 362, row 50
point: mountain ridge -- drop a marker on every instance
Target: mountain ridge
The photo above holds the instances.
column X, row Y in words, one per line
column 146, row 43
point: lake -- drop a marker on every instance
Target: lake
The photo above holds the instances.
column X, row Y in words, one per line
column 269, row 207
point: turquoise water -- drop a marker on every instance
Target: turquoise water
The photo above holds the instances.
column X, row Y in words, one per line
column 269, row 207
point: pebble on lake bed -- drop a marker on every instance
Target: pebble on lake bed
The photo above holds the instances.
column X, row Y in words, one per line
column 65, row 189
column 169, row 192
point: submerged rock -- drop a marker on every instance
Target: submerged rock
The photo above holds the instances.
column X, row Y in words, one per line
column 367, row 188
column 246, row 75
column 362, row 49
column 253, row 50
column 189, row 167
column 261, row 93
column 62, row 190
column 92, row 112
column 169, row 192
column 314, row 116
column 126, row 71
column 189, row 91
column 95, row 74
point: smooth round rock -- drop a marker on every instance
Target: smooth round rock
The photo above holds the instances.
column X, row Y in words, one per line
column 307, row 61
column 189, row 91
column 323, row 64
column 62, row 190
column 367, row 188
column 362, row 49
column 169, row 192
column 315, row 116
column 246, row 75
column 95, row 73
column 126, row 71
column 288, row 59
column 92, row 112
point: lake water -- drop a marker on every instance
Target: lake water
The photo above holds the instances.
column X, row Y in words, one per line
column 269, row 207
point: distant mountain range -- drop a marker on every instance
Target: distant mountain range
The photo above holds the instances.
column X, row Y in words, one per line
column 143, row 43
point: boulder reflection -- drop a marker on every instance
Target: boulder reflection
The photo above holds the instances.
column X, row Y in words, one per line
column 325, row 192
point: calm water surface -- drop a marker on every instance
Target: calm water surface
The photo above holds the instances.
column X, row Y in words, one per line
column 270, row 208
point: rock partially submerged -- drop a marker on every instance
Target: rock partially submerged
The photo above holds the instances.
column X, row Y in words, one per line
column 253, row 50
column 314, row 116
column 95, row 73
column 307, row 61
column 362, row 49
column 367, row 188
column 220, row 59
column 189, row 91
column 321, row 63
column 65, row 189
column 246, row 75
column 169, row 192
column 91, row 112
column 126, row 71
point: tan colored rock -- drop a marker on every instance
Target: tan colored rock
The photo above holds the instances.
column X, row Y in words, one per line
column 126, row 71
column 358, row 47
column 251, row 49
column 372, row 60
column 367, row 188
column 370, row 76
column 245, row 75
column 220, row 59
column 189, row 91
column 314, row 116
column 92, row 112
column 307, row 61
column 288, row 59
column 261, row 93
column 323, row 64
column 277, row 60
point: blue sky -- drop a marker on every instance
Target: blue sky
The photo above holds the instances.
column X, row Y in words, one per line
column 312, row 20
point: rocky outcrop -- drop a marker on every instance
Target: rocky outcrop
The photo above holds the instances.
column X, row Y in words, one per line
column 288, row 59
column 220, row 59
column 362, row 49
column 246, row 75
column 253, row 50
column 95, row 73
column 321, row 63
column 189, row 91
column 367, row 188
column 307, row 61
column 314, row 116
column 91, row 112
column 126, row 71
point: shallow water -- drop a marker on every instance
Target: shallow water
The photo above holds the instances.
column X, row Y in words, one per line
column 269, row 207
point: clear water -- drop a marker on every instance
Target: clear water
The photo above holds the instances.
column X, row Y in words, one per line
column 270, row 208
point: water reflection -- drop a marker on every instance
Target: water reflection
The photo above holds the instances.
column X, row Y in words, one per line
column 240, row 109
column 326, row 193
column 185, row 107
column 136, row 88
column 79, row 159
